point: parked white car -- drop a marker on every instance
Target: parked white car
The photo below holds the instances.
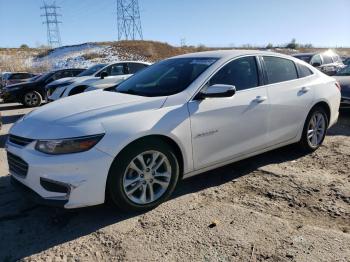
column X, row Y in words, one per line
column 64, row 82
column 175, row 119
column 109, row 75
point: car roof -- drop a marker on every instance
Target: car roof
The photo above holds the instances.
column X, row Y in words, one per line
column 67, row 69
column 304, row 54
column 229, row 54
column 129, row 61
column 12, row 73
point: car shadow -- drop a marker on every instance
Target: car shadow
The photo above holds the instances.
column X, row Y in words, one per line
column 41, row 228
column 3, row 140
column 10, row 106
column 342, row 128
column 11, row 119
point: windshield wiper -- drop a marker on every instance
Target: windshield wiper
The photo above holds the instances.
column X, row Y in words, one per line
column 133, row 92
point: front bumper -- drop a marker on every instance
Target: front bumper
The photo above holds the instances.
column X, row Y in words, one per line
column 35, row 196
column 84, row 174
column 7, row 97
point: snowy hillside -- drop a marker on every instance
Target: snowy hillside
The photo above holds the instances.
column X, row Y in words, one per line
column 81, row 56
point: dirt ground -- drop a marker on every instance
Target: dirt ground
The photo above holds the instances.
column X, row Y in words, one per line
column 279, row 206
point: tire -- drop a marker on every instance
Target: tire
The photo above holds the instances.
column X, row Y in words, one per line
column 32, row 99
column 308, row 142
column 121, row 175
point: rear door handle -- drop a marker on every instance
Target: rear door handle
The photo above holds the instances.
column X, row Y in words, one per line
column 305, row 89
column 260, row 99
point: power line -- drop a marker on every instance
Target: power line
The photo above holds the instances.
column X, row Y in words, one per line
column 51, row 21
column 129, row 20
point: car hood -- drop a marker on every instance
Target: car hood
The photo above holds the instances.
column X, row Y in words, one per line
column 81, row 115
column 84, row 80
column 23, row 84
column 61, row 81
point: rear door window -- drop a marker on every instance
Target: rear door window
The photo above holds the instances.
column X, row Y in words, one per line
column 115, row 70
column 279, row 69
column 135, row 67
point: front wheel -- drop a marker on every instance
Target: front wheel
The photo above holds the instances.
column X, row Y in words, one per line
column 32, row 99
column 315, row 130
column 143, row 176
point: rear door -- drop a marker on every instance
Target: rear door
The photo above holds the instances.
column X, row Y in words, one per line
column 290, row 97
column 226, row 128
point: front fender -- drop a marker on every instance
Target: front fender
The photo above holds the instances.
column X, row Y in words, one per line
column 172, row 122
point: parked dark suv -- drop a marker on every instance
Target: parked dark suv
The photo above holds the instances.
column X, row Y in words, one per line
column 15, row 78
column 328, row 62
column 32, row 93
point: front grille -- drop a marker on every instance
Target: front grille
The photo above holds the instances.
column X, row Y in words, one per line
column 21, row 141
column 17, row 165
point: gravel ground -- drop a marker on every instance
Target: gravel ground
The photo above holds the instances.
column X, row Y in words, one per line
column 279, row 206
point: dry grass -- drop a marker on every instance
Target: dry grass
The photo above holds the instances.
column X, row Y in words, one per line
column 16, row 59
column 92, row 56
column 151, row 50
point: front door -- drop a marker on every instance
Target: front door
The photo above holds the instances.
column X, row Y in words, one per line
column 225, row 128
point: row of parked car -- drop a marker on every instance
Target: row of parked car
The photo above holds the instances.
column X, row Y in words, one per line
column 36, row 89
column 32, row 90
column 172, row 120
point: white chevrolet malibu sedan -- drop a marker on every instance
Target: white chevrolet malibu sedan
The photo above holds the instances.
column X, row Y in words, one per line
column 175, row 119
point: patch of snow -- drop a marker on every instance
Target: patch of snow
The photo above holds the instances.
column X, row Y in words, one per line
column 75, row 56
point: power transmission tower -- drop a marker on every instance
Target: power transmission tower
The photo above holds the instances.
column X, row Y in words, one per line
column 129, row 21
column 51, row 21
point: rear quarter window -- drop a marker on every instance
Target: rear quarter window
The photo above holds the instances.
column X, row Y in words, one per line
column 304, row 71
column 279, row 69
column 135, row 67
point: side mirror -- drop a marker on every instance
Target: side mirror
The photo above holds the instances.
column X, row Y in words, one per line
column 103, row 75
column 218, row 90
column 316, row 64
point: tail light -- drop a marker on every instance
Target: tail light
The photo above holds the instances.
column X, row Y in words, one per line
column 338, row 85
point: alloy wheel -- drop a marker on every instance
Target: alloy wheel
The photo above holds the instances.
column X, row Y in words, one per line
column 316, row 129
column 147, row 177
column 31, row 99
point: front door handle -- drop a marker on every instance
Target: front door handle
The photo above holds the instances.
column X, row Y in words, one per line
column 260, row 99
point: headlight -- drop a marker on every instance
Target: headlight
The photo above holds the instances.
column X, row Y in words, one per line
column 67, row 146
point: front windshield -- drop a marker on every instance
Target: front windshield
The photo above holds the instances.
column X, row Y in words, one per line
column 34, row 78
column 344, row 72
column 166, row 78
column 92, row 70
column 43, row 77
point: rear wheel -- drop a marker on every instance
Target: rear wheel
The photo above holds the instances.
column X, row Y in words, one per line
column 143, row 176
column 315, row 130
column 32, row 99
